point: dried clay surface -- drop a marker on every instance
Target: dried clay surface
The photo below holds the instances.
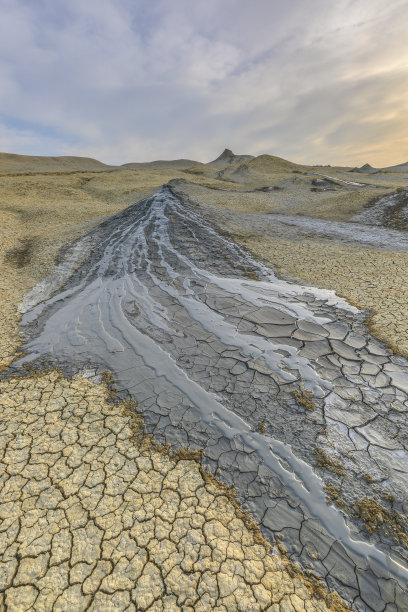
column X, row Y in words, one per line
column 219, row 378
column 267, row 378
column 93, row 517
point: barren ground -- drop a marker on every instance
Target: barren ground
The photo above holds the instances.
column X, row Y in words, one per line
column 95, row 514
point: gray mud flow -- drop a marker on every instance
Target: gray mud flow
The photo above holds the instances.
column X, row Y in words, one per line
column 368, row 229
column 263, row 375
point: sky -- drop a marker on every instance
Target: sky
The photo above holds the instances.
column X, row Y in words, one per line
column 313, row 81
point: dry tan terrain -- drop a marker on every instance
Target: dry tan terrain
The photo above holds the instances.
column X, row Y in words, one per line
column 94, row 516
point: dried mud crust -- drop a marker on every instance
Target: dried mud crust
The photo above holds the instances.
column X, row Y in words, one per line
column 95, row 517
column 55, row 555
column 375, row 281
column 164, row 241
column 112, row 598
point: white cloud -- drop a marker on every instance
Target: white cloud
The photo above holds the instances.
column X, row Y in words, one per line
column 129, row 81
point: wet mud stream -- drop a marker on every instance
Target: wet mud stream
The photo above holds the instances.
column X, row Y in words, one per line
column 219, row 353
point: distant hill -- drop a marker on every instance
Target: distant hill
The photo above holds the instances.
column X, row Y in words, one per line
column 257, row 171
column 175, row 164
column 9, row 162
column 398, row 168
column 367, row 169
column 29, row 163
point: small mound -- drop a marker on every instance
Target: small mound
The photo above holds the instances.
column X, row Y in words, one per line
column 269, row 164
column 366, row 168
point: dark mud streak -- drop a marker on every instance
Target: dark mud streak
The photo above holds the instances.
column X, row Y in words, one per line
column 20, row 256
column 389, row 211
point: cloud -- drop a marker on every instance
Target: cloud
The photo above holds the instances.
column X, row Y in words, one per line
column 129, row 81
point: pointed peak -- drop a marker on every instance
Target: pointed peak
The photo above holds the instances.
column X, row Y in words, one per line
column 228, row 157
column 226, row 154
column 364, row 168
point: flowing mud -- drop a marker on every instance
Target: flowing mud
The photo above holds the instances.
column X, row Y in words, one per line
column 265, row 376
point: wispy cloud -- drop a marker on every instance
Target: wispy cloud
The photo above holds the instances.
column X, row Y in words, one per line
column 126, row 81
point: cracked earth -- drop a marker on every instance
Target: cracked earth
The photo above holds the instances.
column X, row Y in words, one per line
column 94, row 518
column 183, row 430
